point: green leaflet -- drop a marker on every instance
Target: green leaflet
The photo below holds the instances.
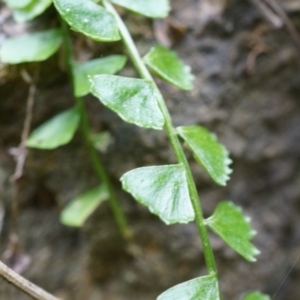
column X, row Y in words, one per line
column 148, row 8
column 29, row 12
column 108, row 65
column 230, row 224
column 256, row 296
column 89, row 18
column 101, row 140
column 201, row 288
column 134, row 100
column 80, row 208
column 163, row 189
column 18, row 3
column 210, row 154
column 166, row 64
column 56, row 132
column 35, row 47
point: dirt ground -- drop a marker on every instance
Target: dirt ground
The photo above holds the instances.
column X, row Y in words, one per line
column 247, row 90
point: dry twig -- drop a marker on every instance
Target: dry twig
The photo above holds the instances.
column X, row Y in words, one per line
column 23, row 284
column 20, row 152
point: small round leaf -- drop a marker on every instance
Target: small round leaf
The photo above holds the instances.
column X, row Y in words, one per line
column 89, row 18
column 18, row 3
column 80, row 208
column 55, row 132
column 108, row 65
column 35, row 47
column 29, row 12
column 148, row 8
column 256, row 296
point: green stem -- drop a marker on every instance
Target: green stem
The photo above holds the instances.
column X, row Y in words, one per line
column 171, row 131
column 94, row 157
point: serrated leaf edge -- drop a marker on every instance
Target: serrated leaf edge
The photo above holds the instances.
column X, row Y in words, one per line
column 252, row 232
column 152, row 210
column 226, row 163
column 160, row 73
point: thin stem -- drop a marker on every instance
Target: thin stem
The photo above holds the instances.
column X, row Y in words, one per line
column 23, row 284
column 177, row 148
column 94, row 157
column 102, row 175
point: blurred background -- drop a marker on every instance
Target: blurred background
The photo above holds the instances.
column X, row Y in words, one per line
column 245, row 56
